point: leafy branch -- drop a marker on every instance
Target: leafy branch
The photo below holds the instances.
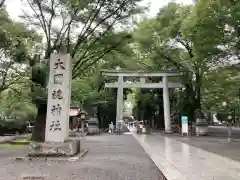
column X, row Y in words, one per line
column 2, row 3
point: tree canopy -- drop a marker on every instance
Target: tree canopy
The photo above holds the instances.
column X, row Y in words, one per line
column 201, row 40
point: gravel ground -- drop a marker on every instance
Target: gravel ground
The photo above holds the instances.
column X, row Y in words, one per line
column 110, row 157
column 7, row 151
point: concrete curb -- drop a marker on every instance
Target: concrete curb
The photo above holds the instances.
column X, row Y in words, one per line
column 70, row 159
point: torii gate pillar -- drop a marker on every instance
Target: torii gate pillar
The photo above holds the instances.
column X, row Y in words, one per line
column 166, row 106
column 119, row 115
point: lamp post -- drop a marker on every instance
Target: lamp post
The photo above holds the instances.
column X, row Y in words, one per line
column 229, row 128
column 224, row 104
column 82, row 119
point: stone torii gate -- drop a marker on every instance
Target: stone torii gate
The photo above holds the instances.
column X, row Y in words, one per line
column 120, row 85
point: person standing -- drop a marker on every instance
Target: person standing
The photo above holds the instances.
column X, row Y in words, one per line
column 111, row 127
column 118, row 128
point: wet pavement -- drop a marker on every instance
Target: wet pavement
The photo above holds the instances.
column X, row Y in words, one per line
column 180, row 161
column 110, row 157
column 215, row 142
column 219, row 146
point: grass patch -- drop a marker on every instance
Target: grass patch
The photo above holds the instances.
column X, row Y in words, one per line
column 11, row 145
column 23, row 140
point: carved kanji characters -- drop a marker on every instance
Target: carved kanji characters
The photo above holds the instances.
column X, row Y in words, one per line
column 57, row 94
column 56, row 110
column 55, row 126
column 59, row 64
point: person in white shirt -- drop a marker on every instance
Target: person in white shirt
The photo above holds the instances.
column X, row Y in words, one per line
column 111, row 128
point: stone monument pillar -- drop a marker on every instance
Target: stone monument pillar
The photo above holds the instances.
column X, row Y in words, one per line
column 57, row 142
column 59, row 95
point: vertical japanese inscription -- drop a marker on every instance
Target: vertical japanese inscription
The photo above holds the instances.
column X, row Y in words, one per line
column 58, row 98
column 57, row 95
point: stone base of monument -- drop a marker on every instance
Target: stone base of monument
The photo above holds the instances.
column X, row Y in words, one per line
column 67, row 151
column 54, row 149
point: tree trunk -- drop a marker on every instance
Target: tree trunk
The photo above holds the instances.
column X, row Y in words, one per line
column 161, row 120
column 198, row 86
column 39, row 127
column 100, row 125
column 2, row 3
column 190, row 104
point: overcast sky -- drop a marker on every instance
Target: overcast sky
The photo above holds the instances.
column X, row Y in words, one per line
column 14, row 6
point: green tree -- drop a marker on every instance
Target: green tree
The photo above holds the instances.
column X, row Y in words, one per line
column 96, row 38
column 214, row 28
column 222, row 85
column 90, row 90
column 218, row 22
column 169, row 41
column 17, row 106
column 17, row 41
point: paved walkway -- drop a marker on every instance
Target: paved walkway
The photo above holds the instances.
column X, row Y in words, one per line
column 110, row 157
column 216, row 141
column 180, row 161
column 216, row 145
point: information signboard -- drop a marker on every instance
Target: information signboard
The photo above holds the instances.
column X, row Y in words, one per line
column 184, row 121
